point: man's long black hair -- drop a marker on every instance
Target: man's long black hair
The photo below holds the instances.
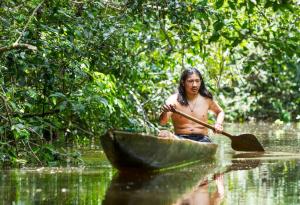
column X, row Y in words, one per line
column 181, row 98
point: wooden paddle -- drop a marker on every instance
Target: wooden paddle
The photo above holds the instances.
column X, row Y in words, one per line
column 243, row 142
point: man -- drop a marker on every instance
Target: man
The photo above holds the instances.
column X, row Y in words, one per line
column 194, row 99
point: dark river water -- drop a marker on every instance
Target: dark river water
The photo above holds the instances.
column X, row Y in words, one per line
column 234, row 178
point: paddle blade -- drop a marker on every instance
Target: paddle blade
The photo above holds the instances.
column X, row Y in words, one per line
column 246, row 142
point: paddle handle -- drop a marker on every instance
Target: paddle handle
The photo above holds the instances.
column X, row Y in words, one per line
column 200, row 122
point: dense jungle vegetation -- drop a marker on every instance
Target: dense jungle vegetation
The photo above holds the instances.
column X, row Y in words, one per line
column 69, row 70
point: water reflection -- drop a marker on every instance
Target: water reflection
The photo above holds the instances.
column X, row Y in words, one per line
column 190, row 185
column 274, row 182
column 257, row 178
column 53, row 186
column 159, row 188
column 201, row 194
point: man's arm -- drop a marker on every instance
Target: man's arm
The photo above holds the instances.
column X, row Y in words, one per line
column 164, row 117
column 166, row 110
column 216, row 108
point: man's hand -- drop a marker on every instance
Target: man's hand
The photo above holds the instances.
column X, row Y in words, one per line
column 168, row 108
column 218, row 128
column 164, row 116
column 167, row 134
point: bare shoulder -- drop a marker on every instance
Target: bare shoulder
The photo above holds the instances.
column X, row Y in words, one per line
column 206, row 100
column 172, row 99
column 211, row 102
column 214, row 106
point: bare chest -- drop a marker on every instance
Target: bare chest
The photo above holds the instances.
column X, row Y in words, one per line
column 198, row 110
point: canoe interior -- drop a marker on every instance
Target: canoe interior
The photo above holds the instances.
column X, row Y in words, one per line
column 126, row 150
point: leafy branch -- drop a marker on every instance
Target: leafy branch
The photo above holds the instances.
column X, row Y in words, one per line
column 6, row 110
column 29, row 20
column 17, row 46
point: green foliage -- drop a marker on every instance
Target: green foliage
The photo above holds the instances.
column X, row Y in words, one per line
column 71, row 70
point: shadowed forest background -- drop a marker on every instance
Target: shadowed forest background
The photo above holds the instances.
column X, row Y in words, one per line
column 70, row 70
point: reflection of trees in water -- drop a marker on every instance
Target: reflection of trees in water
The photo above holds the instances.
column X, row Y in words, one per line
column 274, row 181
column 53, row 186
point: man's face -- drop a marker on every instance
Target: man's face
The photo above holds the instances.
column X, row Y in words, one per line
column 192, row 84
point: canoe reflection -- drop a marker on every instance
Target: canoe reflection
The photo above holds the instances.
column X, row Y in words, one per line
column 198, row 184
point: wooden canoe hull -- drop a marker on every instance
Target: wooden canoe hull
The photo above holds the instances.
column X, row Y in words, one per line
column 127, row 150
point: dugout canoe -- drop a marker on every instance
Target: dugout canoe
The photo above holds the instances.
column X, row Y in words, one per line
column 127, row 150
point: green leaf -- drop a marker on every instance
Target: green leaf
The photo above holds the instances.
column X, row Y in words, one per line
column 219, row 3
column 62, row 106
column 215, row 37
column 232, row 4
column 20, row 131
column 247, row 69
column 58, row 95
column 250, row 8
column 103, row 101
column 218, row 25
column 236, row 42
column 268, row 4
